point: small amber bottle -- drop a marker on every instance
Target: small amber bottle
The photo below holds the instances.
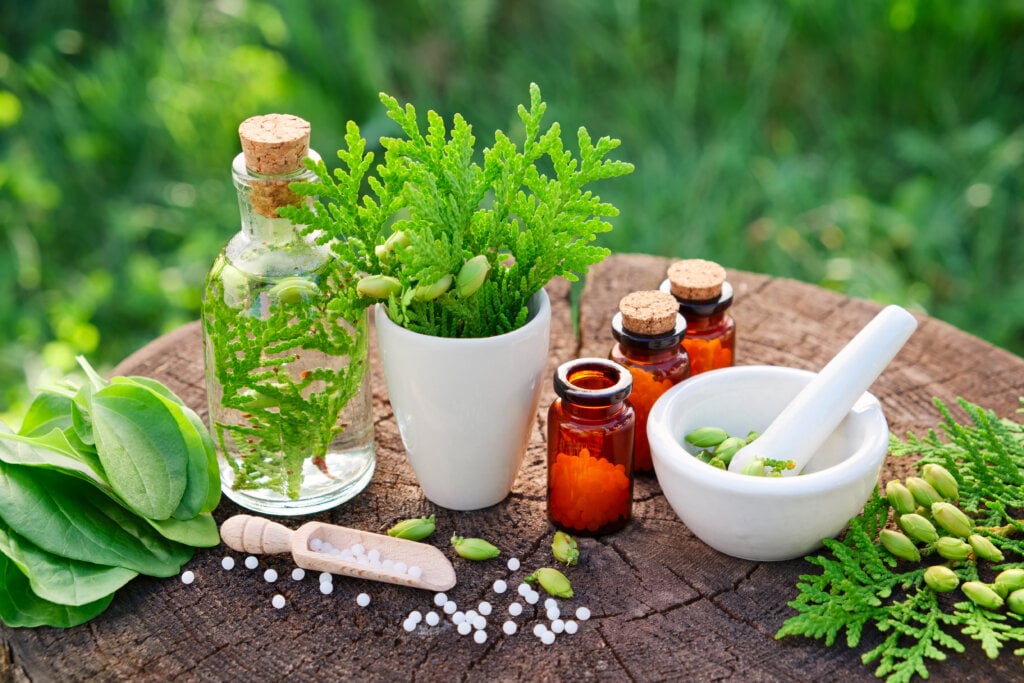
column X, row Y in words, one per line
column 649, row 329
column 590, row 447
column 704, row 299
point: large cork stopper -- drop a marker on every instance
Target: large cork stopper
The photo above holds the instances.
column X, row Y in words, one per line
column 273, row 144
column 649, row 313
column 696, row 279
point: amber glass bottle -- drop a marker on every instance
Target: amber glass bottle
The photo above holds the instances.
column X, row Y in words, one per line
column 590, row 447
column 704, row 299
column 648, row 332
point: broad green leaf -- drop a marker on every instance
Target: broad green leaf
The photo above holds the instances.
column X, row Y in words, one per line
column 140, row 444
column 201, row 531
column 202, row 490
column 20, row 607
column 60, row 515
column 81, row 415
column 60, row 579
column 51, row 450
column 48, row 411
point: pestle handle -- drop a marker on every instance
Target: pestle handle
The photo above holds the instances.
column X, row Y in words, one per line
column 804, row 425
column 256, row 535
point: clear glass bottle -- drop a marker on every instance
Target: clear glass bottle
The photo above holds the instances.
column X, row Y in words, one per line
column 286, row 361
column 704, row 298
column 657, row 363
column 590, row 448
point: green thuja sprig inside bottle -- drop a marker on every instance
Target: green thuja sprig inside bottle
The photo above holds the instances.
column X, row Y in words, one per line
column 286, row 359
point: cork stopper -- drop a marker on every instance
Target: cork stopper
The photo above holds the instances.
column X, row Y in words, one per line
column 696, row 279
column 649, row 313
column 273, row 144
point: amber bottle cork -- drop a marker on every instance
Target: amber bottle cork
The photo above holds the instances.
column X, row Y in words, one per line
column 273, row 145
column 696, row 279
column 650, row 313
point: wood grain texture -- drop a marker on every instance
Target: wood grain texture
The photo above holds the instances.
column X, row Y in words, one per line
column 666, row 607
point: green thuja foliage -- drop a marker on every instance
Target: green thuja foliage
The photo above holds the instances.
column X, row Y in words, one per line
column 454, row 247
column 862, row 585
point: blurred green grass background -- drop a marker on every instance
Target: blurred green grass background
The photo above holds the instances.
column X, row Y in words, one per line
column 873, row 147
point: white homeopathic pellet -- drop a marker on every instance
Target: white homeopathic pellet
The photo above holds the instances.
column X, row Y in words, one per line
column 571, row 626
column 432, row 618
column 550, row 602
column 187, row 577
column 362, row 599
column 515, row 609
column 539, row 630
column 464, row 628
column 316, row 544
column 409, row 625
column 251, row 562
column 548, row 638
column 582, row 613
column 450, row 607
column 480, row 637
column 228, row 563
column 524, row 589
column 553, row 613
column 500, row 586
column 484, row 608
column 440, row 599
column 513, row 563
column 479, row 622
column 277, row 601
column 298, row 574
column 532, row 597
column 415, row 572
column 326, row 587
column 270, row 576
column 509, row 627
column 557, row 625
column 326, row 576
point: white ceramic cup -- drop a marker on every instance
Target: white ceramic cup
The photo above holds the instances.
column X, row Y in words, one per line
column 465, row 407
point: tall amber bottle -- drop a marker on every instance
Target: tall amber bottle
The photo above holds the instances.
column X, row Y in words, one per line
column 590, row 447
column 704, row 298
column 648, row 331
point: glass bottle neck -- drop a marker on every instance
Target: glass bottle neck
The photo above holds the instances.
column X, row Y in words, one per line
column 712, row 322
column 260, row 197
column 601, row 413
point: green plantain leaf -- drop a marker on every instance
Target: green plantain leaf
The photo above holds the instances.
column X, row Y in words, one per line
column 59, row 579
column 48, row 411
column 141, row 447
column 200, row 531
column 20, row 607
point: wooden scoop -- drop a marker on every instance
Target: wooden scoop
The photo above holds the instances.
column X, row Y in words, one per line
column 257, row 535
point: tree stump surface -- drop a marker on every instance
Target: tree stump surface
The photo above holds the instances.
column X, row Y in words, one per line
column 665, row 606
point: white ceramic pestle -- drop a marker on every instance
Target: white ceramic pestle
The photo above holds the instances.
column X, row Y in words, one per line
column 804, row 425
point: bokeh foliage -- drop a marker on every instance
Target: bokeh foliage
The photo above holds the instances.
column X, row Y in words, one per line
column 874, row 147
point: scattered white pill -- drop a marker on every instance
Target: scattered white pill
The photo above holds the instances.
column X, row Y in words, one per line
column 515, row 609
column 464, row 628
column 298, row 574
column 550, row 602
column 582, row 613
column 440, row 599
column 479, row 622
column 270, row 576
column 513, row 563
column 553, row 613
column 362, row 599
column 450, row 607
column 471, row 615
column 484, row 608
column 557, row 625
column 524, row 589
column 532, row 597
column 509, row 627
column 326, row 587
column 571, row 626
column 480, row 637
column 409, row 625
column 415, row 616
column 326, row 577
column 548, row 638
column 539, row 630
column 251, row 562
column 316, row 544
column 373, row 554
column 458, row 618
column 415, row 572
column 228, row 563
column 500, row 586
column 187, row 577
column 432, row 618
column 277, row 601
